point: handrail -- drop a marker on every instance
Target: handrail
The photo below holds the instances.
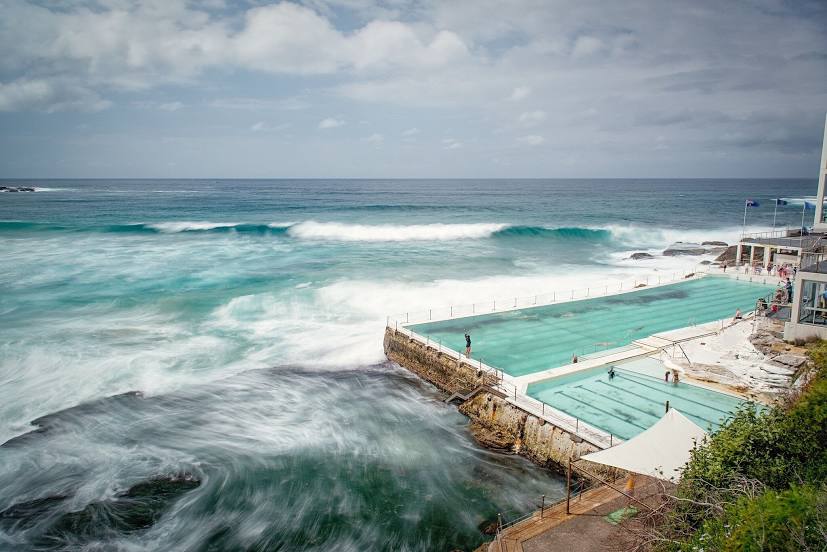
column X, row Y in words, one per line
column 499, row 304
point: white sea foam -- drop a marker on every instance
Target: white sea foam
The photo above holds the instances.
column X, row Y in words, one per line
column 653, row 237
column 335, row 231
column 188, row 226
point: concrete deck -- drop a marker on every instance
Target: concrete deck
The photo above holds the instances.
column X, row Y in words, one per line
column 805, row 243
column 584, row 530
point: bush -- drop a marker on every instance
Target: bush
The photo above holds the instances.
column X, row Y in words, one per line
column 760, row 477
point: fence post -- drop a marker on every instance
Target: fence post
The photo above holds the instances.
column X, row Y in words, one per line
column 499, row 530
column 542, row 505
column 515, row 302
column 577, row 426
column 495, row 304
column 535, row 299
column 667, row 406
column 610, row 441
column 406, row 318
column 429, row 314
column 452, row 311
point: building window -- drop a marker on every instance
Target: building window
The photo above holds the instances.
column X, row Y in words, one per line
column 813, row 303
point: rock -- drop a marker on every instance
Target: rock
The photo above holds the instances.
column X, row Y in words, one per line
column 791, row 361
column 681, row 248
column 718, row 243
column 16, row 189
column 496, row 440
column 488, row 527
column 640, row 256
column 706, row 262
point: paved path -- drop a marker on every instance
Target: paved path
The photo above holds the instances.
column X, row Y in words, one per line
column 584, row 530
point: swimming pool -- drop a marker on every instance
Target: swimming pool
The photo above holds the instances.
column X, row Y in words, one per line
column 633, row 400
column 529, row 340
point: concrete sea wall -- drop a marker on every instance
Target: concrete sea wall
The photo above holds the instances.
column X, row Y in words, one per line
column 495, row 421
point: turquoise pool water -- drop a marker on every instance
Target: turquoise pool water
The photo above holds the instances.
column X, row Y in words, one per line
column 528, row 340
column 633, row 400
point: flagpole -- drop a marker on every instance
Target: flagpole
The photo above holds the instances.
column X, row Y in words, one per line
column 775, row 212
column 801, row 230
column 744, row 227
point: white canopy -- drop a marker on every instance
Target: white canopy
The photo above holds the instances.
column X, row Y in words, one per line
column 661, row 451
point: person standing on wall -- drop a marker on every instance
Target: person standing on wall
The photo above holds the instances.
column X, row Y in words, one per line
column 467, row 344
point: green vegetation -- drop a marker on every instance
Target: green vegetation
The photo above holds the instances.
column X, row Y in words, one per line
column 761, row 481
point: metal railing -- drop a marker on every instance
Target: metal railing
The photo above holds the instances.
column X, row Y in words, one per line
column 503, row 304
column 775, row 233
column 814, row 262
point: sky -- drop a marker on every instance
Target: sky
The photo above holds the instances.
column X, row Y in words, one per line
column 411, row 89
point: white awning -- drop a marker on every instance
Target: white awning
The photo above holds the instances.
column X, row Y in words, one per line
column 661, row 451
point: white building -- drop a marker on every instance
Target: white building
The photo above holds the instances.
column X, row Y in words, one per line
column 809, row 306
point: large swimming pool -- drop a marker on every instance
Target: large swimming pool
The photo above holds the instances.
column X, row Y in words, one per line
column 633, row 400
column 528, row 340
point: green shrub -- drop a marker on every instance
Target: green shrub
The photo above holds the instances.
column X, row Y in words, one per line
column 758, row 477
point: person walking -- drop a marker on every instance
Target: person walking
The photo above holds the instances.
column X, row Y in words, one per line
column 467, row 344
column 789, row 287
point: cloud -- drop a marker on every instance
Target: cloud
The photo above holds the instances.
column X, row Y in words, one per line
column 532, row 140
column 532, row 118
column 586, row 46
column 520, row 93
column 49, row 95
column 170, row 106
column 451, row 143
column 410, row 132
column 376, row 139
column 261, row 126
column 330, row 122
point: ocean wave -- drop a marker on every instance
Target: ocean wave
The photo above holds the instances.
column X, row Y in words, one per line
column 335, row 231
column 562, row 233
column 625, row 236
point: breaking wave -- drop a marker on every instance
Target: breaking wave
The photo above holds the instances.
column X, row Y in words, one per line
column 621, row 235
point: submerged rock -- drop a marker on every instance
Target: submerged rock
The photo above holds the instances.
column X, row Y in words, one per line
column 641, row 256
column 716, row 243
column 137, row 508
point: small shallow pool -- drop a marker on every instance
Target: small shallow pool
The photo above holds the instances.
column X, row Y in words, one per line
column 633, row 400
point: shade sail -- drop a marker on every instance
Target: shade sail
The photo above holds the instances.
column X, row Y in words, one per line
column 661, row 451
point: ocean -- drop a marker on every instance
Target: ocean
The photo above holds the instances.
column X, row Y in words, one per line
column 198, row 365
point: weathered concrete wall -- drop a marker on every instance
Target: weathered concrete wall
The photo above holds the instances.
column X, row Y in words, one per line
column 538, row 440
column 444, row 371
column 494, row 421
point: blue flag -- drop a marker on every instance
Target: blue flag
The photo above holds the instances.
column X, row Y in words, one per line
column 752, row 203
column 780, row 201
column 808, row 205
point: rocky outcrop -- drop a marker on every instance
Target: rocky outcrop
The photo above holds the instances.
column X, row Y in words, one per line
column 16, row 189
column 683, row 248
column 715, row 243
column 641, row 256
column 494, row 421
column 509, row 426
